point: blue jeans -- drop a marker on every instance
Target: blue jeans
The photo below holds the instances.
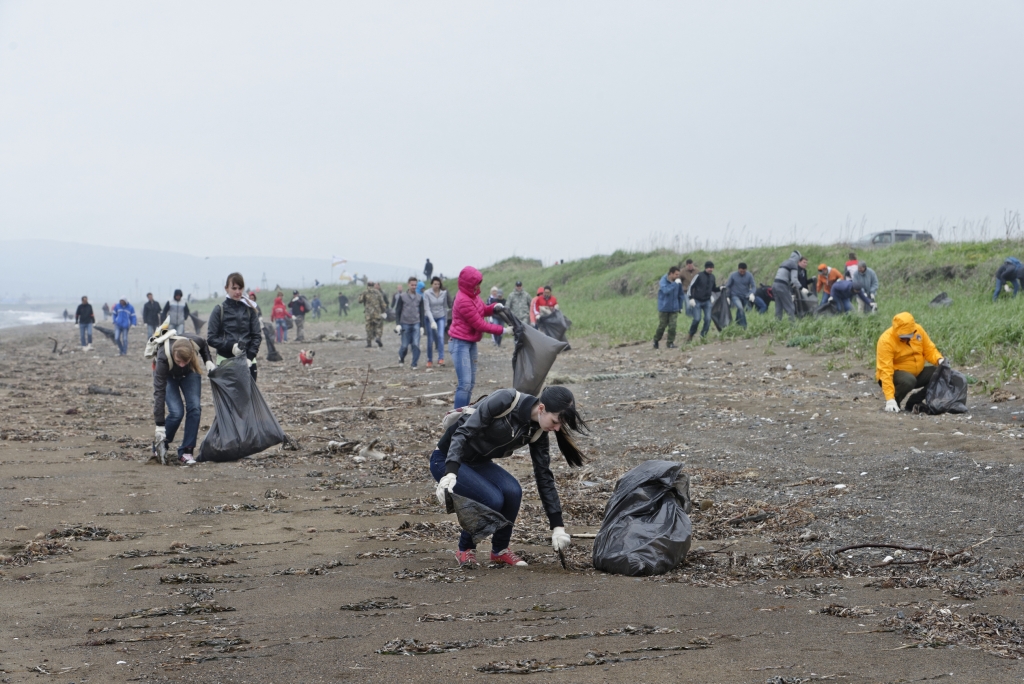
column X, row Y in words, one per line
column 741, row 316
column 704, row 307
column 282, row 330
column 410, row 338
column 760, row 305
column 463, row 355
column 151, row 329
column 85, row 333
column 436, row 337
column 489, row 484
column 190, row 387
column 121, row 338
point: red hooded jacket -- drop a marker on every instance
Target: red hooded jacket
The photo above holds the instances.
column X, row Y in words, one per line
column 468, row 311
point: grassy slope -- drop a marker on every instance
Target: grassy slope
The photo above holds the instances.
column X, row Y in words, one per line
column 611, row 299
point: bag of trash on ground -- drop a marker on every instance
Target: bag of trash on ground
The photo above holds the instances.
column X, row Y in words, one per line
column 243, row 424
column 721, row 314
column 554, row 325
column 946, row 392
column 646, row 529
column 478, row 520
column 268, row 339
column 532, row 356
column 804, row 306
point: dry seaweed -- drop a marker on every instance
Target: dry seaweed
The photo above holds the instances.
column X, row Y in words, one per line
column 939, row 627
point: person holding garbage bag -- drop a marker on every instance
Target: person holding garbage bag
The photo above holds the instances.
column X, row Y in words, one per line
column 899, row 360
column 234, row 326
column 468, row 327
column 463, row 462
column 178, row 383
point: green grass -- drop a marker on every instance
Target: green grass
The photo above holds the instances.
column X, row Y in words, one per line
column 611, row 299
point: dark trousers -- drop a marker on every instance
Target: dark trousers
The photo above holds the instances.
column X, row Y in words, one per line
column 705, row 308
column 189, row 388
column 489, row 484
column 666, row 319
column 783, row 300
column 906, row 383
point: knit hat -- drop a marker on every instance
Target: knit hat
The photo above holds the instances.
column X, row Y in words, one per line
column 709, row 264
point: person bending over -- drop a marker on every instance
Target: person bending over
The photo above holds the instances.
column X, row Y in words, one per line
column 899, row 361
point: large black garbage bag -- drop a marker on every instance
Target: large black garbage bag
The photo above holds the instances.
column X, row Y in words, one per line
column 478, row 520
column 268, row 339
column 946, row 392
column 721, row 314
column 805, row 306
column 107, row 332
column 532, row 356
column 243, row 425
column 646, row 529
column 197, row 323
column 826, row 309
column 554, row 325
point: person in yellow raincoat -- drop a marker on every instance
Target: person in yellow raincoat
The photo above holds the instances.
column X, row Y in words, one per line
column 899, row 361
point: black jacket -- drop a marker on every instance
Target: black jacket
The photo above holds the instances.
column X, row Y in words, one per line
column 480, row 437
column 162, row 369
column 234, row 322
column 151, row 313
column 702, row 286
column 83, row 314
column 298, row 306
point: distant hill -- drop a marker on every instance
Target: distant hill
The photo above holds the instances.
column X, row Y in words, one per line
column 61, row 272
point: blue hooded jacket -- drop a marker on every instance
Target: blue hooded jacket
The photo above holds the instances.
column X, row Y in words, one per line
column 124, row 316
column 670, row 295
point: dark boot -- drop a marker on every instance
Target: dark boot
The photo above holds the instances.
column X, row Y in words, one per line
column 689, row 338
column 369, row 344
column 670, row 345
column 379, row 343
column 655, row 344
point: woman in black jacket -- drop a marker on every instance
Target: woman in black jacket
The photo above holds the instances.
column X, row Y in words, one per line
column 234, row 325
column 502, row 422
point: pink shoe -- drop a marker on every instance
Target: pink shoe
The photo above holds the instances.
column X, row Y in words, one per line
column 467, row 557
column 507, row 556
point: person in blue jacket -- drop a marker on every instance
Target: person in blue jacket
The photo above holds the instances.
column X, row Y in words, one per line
column 739, row 288
column 1011, row 271
column 124, row 318
column 670, row 303
column 843, row 292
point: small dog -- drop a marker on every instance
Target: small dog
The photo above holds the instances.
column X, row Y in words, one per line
column 306, row 357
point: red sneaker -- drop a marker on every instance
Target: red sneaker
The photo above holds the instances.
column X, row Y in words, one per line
column 507, row 556
column 467, row 557
column 440, row 362
column 429, row 365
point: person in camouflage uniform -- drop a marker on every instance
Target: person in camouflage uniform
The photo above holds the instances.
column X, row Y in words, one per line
column 374, row 309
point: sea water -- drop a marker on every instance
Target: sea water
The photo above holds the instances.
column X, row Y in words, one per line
column 10, row 319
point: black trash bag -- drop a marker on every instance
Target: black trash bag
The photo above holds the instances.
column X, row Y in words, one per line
column 554, row 325
column 646, row 529
column 721, row 313
column 107, row 332
column 805, row 306
column 532, row 356
column 826, row 309
column 268, row 338
column 941, row 299
column 243, row 424
column 197, row 323
column 946, row 392
column 478, row 520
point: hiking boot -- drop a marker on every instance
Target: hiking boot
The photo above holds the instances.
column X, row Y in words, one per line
column 914, row 397
column 655, row 344
column 186, row 459
column 379, row 343
column 508, row 557
column 670, row 345
column 429, row 364
column 467, row 557
column 369, row 344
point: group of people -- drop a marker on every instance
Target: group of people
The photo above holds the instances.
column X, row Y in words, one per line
column 686, row 289
column 284, row 316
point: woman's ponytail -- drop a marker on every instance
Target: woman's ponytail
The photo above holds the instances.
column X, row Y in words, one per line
column 560, row 400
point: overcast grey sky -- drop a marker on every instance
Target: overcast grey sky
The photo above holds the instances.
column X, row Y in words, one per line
column 471, row 131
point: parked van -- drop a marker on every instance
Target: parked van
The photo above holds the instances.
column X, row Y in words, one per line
column 889, row 237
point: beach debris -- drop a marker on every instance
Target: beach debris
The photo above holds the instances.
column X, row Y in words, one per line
column 383, row 603
column 197, row 608
column 322, row 569
column 939, row 627
column 846, row 611
column 96, row 389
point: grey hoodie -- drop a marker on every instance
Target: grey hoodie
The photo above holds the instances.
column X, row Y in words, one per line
column 789, row 270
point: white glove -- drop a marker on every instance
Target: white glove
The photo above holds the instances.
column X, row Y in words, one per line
column 398, row 328
column 236, row 350
column 942, row 361
column 891, row 406
column 693, row 303
column 498, row 307
column 874, row 307
column 210, row 366
column 507, row 330
column 560, row 539
column 445, row 484
column 250, row 363
column 751, row 297
column 384, row 316
column 804, row 291
column 160, row 434
column 830, row 298
column 679, row 281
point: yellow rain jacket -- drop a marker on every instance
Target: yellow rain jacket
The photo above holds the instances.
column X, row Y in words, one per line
column 893, row 353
